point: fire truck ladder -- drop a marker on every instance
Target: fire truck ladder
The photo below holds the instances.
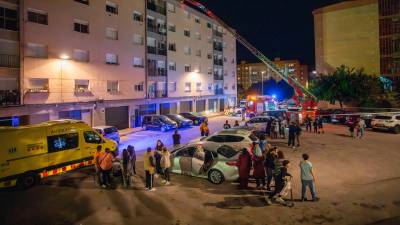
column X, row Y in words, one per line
column 299, row 88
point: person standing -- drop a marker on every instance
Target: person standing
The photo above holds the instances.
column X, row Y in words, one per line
column 361, row 126
column 276, row 129
column 166, row 164
column 236, row 123
column 352, row 126
column 204, row 131
column 270, row 165
column 132, row 153
column 157, row 156
column 315, row 125
column 125, row 161
column 149, row 168
column 227, row 125
column 292, row 134
column 243, row 114
column 321, row 125
column 281, row 182
column 308, row 123
column 258, row 166
column 283, row 127
column 268, row 128
column 263, row 143
column 97, row 167
column 176, row 137
column 307, row 178
column 298, row 133
column 244, row 166
column 105, row 161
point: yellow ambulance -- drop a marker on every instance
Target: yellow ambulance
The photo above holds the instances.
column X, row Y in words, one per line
column 29, row 153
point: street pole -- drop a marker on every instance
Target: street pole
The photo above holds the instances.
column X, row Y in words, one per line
column 262, row 83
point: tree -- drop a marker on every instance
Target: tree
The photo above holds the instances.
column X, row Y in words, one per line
column 347, row 85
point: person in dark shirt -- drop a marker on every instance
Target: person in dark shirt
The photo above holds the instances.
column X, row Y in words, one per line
column 292, row 134
column 280, row 181
column 315, row 125
column 176, row 137
column 270, row 158
column 298, row 133
column 227, row 125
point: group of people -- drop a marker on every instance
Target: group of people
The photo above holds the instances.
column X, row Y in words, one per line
column 357, row 129
column 275, row 128
column 103, row 166
column 317, row 124
column 227, row 125
column 269, row 165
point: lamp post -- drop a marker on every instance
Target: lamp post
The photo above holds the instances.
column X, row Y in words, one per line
column 63, row 58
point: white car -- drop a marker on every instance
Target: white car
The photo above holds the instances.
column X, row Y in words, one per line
column 387, row 122
column 237, row 138
column 259, row 123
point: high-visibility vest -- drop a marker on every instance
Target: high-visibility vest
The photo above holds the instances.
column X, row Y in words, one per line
column 147, row 164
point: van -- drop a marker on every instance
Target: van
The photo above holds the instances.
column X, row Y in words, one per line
column 109, row 132
column 29, row 153
column 158, row 122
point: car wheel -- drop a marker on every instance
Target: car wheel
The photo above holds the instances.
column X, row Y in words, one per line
column 396, row 129
column 27, row 180
column 216, row 177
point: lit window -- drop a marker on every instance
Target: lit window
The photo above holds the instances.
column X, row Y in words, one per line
column 112, row 86
column 171, row 27
column 138, row 39
column 111, row 59
column 198, row 87
column 112, row 33
column 81, row 85
column 38, row 85
column 170, row 7
column 138, row 62
column 187, row 50
column 188, row 87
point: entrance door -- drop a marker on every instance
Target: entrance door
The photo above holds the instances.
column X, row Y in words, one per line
column 200, row 106
column 186, row 106
column 221, row 105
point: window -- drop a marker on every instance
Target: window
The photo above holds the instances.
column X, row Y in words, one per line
column 197, row 19
column 209, row 25
column 111, row 58
column 198, row 36
column 138, row 39
column 112, row 86
column 139, row 87
column 172, row 86
column 217, row 138
column 171, row 27
column 187, row 50
column 81, row 26
column 188, row 68
column 38, row 85
column 186, row 152
column 172, row 66
column 36, row 50
column 188, row 87
column 111, row 7
column 92, row 138
column 209, row 71
column 8, row 19
column 37, row 16
column 186, row 33
column 62, row 142
column 172, row 47
column 209, row 56
column 170, row 7
column 227, row 151
column 112, row 33
column 198, row 87
column 81, row 85
column 231, row 138
column 81, row 55
column 137, row 16
column 198, row 53
column 86, row 2
column 225, row 86
column 138, row 62
column 186, row 14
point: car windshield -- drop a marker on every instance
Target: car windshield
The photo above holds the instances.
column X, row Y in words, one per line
column 380, row 117
column 165, row 119
column 110, row 130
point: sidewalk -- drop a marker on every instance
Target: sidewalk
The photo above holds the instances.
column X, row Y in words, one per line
column 128, row 131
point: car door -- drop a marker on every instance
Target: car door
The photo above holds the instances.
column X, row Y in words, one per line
column 91, row 140
column 198, row 161
column 64, row 149
column 182, row 163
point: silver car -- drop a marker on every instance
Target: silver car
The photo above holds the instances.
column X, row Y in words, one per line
column 213, row 161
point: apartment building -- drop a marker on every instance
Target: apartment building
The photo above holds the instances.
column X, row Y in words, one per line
column 362, row 33
column 110, row 62
column 252, row 73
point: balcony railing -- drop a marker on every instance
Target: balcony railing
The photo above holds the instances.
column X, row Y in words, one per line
column 218, row 77
column 218, row 47
column 156, row 8
column 157, row 72
column 219, row 62
column 217, row 33
column 157, row 28
column 11, row 61
column 158, row 94
column 219, row 91
column 9, row 98
column 156, row 51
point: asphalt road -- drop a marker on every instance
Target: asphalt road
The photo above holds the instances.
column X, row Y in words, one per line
column 358, row 182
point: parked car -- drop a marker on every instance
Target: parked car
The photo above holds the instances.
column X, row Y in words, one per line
column 213, row 161
column 180, row 120
column 259, row 123
column 389, row 122
column 109, row 132
column 197, row 120
column 236, row 138
column 158, row 122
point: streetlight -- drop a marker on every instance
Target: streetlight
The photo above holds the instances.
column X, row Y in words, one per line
column 63, row 57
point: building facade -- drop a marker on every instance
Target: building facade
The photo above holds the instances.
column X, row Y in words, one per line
column 109, row 62
column 252, row 73
column 360, row 34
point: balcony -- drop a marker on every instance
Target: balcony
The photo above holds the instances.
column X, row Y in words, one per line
column 11, row 61
column 217, row 33
column 157, row 94
column 157, row 28
column 219, row 62
column 156, row 51
column 219, row 91
column 156, row 8
column 157, row 72
column 9, row 98
column 218, row 76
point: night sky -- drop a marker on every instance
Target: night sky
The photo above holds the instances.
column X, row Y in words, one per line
column 279, row 28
